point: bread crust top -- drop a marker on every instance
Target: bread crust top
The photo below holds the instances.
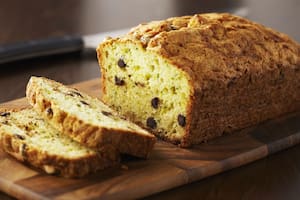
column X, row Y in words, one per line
column 216, row 47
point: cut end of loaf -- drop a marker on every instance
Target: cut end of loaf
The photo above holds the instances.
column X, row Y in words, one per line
column 146, row 88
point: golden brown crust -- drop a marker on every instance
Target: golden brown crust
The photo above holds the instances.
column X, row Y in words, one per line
column 207, row 45
column 93, row 136
column 52, row 163
column 241, row 72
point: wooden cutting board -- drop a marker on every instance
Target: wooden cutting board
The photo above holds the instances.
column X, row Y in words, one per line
column 167, row 167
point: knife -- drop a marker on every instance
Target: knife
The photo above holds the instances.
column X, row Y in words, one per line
column 66, row 44
column 53, row 46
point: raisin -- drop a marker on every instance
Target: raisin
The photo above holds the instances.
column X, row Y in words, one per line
column 151, row 123
column 24, row 150
column 106, row 113
column 49, row 112
column 119, row 81
column 4, row 114
column 5, row 122
column 27, row 128
column 21, row 137
column 76, row 93
column 139, row 84
column 84, row 103
column 173, row 27
column 181, row 120
column 70, row 94
column 155, row 102
column 121, row 63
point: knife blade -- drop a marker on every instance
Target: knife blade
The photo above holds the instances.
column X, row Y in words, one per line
column 53, row 46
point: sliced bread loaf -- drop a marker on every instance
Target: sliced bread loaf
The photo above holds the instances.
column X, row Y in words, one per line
column 27, row 137
column 86, row 119
column 194, row 78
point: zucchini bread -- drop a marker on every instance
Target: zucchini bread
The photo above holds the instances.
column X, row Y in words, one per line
column 28, row 138
column 192, row 78
column 86, row 119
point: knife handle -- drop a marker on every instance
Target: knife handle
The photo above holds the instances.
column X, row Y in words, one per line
column 38, row 48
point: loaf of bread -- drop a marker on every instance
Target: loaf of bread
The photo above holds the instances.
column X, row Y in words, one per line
column 192, row 78
column 86, row 119
column 27, row 137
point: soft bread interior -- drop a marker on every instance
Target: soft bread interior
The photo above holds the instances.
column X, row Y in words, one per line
column 146, row 88
column 82, row 106
column 28, row 126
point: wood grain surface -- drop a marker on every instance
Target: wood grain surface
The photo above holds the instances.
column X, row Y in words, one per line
column 167, row 167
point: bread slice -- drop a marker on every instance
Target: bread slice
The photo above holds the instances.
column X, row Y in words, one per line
column 194, row 78
column 27, row 137
column 86, row 119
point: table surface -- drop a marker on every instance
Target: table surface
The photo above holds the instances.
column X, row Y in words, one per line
column 275, row 177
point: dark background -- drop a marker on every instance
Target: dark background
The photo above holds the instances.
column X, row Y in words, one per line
column 276, row 177
column 31, row 19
